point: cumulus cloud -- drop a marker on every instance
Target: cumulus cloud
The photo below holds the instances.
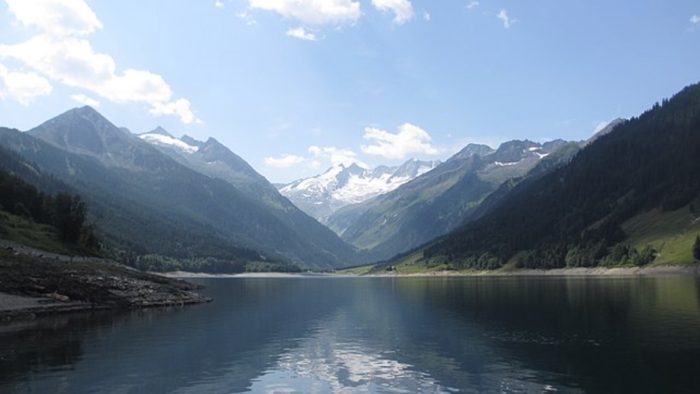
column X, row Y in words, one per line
column 284, row 161
column 21, row 86
column 62, row 53
column 315, row 12
column 180, row 108
column 64, row 17
column 507, row 20
column 85, row 100
column 473, row 4
column 301, row 34
column 409, row 139
column 402, row 9
column 334, row 155
column 695, row 19
column 218, row 4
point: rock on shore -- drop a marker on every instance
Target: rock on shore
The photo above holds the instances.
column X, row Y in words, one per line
column 32, row 284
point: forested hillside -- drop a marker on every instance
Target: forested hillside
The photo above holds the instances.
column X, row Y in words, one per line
column 577, row 214
column 28, row 215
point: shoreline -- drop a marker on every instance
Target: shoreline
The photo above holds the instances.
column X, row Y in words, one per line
column 36, row 283
column 664, row 270
column 245, row 275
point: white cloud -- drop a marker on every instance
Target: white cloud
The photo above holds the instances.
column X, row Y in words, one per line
column 63, row 17
column 335, row 155
column 284, row 161
column 218, row 4
column 180, row 108
column 473, row 4
column 695, row 19
column 409, row 139
column 426, row 16
column 301, row 34
column 507, row 20
column 402, row 9
column 22, row 87
column 62, row 53
column 85, row 100
column 315, row 12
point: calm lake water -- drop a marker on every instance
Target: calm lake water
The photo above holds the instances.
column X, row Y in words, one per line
column 376, row 335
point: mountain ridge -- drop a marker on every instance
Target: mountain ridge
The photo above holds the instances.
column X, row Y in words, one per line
column 343, row 185
column 94, row 156
column 437, row 201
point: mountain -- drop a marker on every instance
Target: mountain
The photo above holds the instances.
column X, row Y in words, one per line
column 145, row 201
column 343, row 185
column 215, row 160
column 212, row 159
column 438, row 201
column 629, row 197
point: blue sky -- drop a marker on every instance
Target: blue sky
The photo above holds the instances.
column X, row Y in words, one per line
column 294, row 85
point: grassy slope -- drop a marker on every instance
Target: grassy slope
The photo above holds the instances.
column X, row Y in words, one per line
column 361, row 270
column 26, row 232
column 672, row 234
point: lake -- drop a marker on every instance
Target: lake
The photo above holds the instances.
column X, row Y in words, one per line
column 316, row 334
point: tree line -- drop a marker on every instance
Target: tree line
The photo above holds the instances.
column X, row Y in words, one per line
column 67, row 213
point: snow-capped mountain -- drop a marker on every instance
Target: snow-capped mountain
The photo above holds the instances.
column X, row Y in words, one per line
column 341, row 185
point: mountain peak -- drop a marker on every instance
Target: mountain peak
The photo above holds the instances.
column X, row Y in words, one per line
column 413, row 168
column 160, row 131
column 81, row 129
column 353, row 167
column 472, row 150
column 85, row 110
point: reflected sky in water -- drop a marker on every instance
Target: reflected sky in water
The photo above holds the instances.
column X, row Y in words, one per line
column 393, row 335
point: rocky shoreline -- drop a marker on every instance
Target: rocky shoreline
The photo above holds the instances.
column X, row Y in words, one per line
column 34, row 284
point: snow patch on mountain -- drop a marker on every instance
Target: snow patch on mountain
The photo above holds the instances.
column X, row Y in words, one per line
column 168, row 141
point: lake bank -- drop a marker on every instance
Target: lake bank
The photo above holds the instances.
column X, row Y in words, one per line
column 34, row 284
column 692, row 270
column 193, row 275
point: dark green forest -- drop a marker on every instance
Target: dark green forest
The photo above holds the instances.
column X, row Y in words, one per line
column 573, row 216
column 65, row 212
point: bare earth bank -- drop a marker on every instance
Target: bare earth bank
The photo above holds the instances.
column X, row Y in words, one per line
column 34, row 283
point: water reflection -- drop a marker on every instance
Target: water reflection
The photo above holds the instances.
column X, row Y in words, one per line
column 377, row 335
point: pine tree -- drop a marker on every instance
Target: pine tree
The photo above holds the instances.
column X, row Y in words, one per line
column 696, row 248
